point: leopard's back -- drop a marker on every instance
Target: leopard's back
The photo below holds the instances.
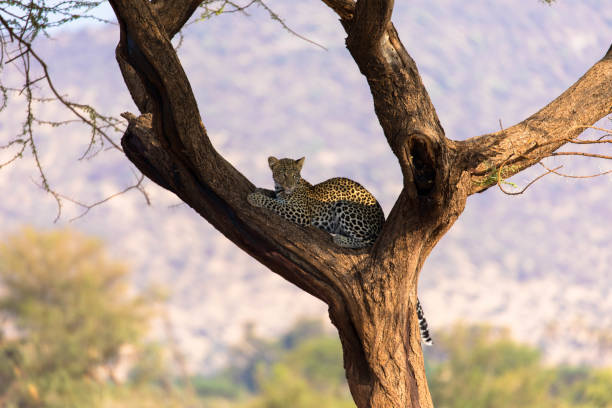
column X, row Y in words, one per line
column 341, row 188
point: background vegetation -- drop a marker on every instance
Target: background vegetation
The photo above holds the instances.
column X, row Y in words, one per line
column 73, row 335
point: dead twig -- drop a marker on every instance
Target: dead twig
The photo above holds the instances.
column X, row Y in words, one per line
column 29, row 51
column 499, row 179
column 572, row 176
column 598, row 156
column 88, row 207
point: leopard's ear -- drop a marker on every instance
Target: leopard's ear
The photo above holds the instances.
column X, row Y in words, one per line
column 300, row 162
column 272, row 161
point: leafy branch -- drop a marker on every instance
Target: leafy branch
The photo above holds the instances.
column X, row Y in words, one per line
column 504, row 170
column 20, row 24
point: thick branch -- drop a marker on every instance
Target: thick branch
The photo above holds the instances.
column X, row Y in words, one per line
column 172, row 148
column 409, row 121
column 289, row 260
column 173, row 14
column 371, row 20
column 538, row 136
column 401, row 102
column 344, row 8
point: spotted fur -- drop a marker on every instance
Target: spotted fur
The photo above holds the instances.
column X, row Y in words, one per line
column 340, row 206
column 423, row 325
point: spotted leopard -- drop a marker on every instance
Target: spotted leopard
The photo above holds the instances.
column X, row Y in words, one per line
column 340, row 206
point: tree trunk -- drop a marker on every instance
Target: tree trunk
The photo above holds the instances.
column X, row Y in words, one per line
column 371, row 292
column 385, row 368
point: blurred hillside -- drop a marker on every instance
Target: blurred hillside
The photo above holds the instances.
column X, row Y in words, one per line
column 72, row 336
column 538, row 263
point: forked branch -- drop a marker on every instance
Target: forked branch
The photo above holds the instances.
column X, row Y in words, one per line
column 171, row 146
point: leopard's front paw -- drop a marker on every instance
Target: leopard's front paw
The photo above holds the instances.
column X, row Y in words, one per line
column 256, row 199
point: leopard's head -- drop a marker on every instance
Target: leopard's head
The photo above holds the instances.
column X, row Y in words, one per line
column 286, row 174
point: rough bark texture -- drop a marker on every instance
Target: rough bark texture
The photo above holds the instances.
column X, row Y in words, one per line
column 371, row 292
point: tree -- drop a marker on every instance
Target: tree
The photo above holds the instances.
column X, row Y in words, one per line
column 371, row 293
column 70, row 305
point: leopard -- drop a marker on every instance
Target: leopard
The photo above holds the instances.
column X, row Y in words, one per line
column 340, row 206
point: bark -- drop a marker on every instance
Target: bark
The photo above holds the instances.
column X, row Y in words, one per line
column 371, row 293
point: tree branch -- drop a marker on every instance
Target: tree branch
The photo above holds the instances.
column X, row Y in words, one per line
column 173, row 14
column 294, row 254
column 305, row 257
column 170, row 145
column 411, row 126
column 369, row 23
column 538, row 136
column 344, row 8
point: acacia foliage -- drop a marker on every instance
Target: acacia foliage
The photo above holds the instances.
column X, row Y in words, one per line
column 67, row 312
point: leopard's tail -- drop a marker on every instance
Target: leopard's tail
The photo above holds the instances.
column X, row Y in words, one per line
column 425, row 337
